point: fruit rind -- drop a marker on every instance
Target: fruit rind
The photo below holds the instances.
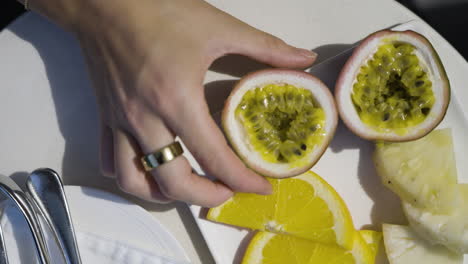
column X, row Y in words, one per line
column 404, row 246
column 254, row 253
column 449, row 230
column 340, row 211
column 373, row 240
column 361, row 54
column 343, row 226
column 236, row 135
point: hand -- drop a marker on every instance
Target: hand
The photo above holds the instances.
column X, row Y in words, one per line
column 147, row 60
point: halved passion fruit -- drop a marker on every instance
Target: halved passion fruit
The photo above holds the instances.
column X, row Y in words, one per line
column 393, row 87
column 280, row 121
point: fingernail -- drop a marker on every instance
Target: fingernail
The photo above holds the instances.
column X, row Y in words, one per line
column 307, row 53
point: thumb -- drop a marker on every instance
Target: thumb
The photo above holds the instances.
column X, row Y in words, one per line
column 271, row 50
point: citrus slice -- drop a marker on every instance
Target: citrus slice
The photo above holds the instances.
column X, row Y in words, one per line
column 271, row 248
column 373, row 239
column 421, row 172
column 305, row 206
column 403, row 246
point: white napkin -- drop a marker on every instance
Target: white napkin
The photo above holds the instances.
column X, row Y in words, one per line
column 93, row 248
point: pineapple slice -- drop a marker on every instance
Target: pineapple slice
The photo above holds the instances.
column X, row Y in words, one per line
column 421, row 172
column 403, row 246
column 450, row 230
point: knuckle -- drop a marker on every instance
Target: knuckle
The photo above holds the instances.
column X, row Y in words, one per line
column 161, row 101
column 171, row 190
column 132, row 113
column 272, row 43
column 162, row 96
column 209, row 162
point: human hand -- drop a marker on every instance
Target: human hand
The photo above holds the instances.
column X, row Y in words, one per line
column 147, row 60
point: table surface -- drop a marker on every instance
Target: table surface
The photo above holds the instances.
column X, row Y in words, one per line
column 331, row 26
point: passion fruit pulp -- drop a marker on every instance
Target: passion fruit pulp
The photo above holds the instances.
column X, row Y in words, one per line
column 280, row 121
column 283, row 121
column 393, row 87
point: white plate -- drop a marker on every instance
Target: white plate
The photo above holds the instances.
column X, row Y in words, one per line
column 347, row 164
column 110, row 216
column 106, row 217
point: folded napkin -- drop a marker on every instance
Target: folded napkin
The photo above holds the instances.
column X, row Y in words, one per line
column 94, row 249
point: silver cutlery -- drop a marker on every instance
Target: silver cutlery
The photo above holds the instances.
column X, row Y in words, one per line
column 12, row 191
column 46, row 190
column 3, row 252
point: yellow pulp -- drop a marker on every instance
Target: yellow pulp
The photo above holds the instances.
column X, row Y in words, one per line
column 269, row 248
column 304, row 206
column 392, row 91
column 283, row 122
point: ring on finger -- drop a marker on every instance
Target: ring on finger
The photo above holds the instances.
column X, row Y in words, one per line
column 162, row 156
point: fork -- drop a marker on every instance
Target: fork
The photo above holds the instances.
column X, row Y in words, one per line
column 45, row 188
column 12, row 191
column 3, row 252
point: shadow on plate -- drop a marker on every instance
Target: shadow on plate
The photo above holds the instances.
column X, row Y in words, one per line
column 386, row 207
column 194, row 232
column 216, row 93
column 20, row 178
column 241, row 250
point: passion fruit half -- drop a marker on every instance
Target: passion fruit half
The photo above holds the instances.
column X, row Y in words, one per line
column 393, row 87
column 280, row 122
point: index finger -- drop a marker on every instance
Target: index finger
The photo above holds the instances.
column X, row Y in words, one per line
column 194, row 125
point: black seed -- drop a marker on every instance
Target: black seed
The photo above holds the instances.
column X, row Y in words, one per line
column 389, row 182
column 303, row 146
column 358, row 108
column 419, row 83
column 425, row 110
column 415, row 200
column 297, row 152
column 281, row 158
column 254, row 118
column 386, row 116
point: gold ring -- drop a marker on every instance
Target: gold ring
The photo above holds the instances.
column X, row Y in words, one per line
column 164, row 155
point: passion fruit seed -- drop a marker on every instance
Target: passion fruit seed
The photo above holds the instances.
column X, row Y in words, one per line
column 392, row 91
column 283, row 123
